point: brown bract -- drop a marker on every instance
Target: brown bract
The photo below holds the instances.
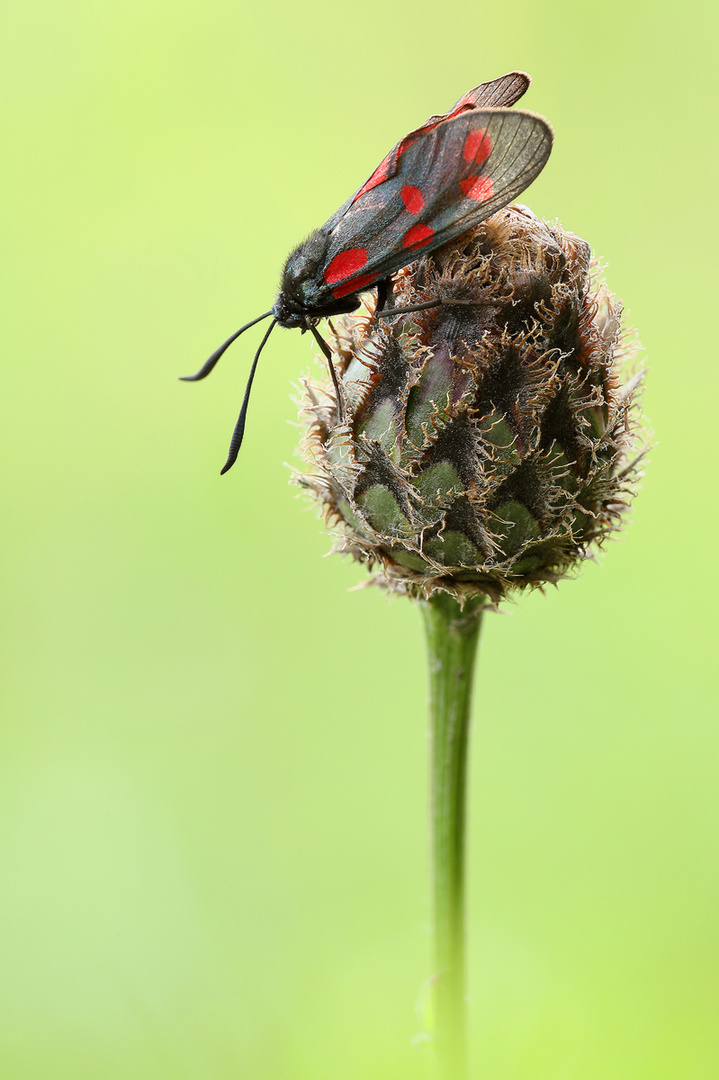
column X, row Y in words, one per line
column 490, row 443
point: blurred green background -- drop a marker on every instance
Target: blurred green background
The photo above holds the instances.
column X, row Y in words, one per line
column 212, row 793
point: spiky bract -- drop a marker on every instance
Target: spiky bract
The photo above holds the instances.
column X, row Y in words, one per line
column 488, row 443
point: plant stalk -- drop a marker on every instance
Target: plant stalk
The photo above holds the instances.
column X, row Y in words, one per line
column 452, row 636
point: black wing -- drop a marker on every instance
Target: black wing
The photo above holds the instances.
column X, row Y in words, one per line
column 449, row 178
column 498, row 94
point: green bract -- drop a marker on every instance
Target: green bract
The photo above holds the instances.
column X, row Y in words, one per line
column 484, row 444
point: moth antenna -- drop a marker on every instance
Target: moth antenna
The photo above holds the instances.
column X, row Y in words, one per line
column 238, row 433
column 388, row 313
column 328, row 355
column 210, row 363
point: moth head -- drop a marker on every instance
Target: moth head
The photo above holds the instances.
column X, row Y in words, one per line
column 302, row 278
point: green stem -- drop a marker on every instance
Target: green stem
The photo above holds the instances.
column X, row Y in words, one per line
column 452, row 635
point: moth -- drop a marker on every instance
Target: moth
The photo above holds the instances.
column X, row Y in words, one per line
column 440, row 180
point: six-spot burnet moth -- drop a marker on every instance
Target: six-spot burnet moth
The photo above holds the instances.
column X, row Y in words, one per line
column 442, row 179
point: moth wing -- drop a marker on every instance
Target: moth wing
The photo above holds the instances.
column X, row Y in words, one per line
column 450, row 178
column 496, row 94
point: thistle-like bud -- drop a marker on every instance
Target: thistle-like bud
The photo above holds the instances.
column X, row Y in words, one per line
column 487, row 443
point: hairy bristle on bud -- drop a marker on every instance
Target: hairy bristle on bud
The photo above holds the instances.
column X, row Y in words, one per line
column 488, row 443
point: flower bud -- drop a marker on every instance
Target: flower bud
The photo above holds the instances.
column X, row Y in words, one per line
column 487, row 443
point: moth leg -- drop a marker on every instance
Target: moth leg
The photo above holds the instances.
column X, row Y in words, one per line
column 392, row 311
column 385, row 296
column 328, row 356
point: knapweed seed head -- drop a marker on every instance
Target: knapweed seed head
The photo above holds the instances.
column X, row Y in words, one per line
column 488, row 443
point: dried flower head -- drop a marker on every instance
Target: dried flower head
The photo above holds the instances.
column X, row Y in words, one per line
column 488, row 443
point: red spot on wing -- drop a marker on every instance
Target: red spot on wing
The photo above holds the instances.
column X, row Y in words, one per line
column 412, row 198
column 417, row 236
column 378, row 177
column 346, row 263
column 464, row 103
column 387, row 167
column 406, row 143
column 477, row 187
column 354, row 286
column 477, row 146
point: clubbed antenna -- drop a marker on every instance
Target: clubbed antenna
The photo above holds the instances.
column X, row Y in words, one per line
column 238, row 433
column 212, row 360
